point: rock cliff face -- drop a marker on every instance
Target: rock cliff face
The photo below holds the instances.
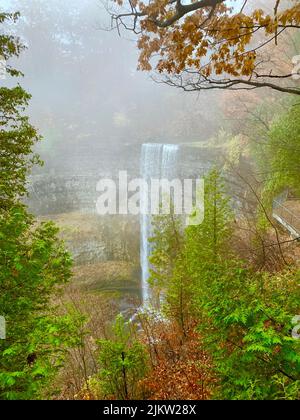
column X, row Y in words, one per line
column 105, row 250
column 94, row 239
column 70, row 200
column 195, row 160
column 57, row 192
column 63, row 193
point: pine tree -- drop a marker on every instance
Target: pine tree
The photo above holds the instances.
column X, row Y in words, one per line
column 208, row 241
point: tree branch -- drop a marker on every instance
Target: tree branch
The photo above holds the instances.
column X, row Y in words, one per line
column 181, row 10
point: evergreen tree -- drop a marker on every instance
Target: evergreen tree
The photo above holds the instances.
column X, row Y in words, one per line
column 244, row 317
column 208, row 243
column 123, row 362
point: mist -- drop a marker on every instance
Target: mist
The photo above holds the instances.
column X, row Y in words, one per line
column 89, row 102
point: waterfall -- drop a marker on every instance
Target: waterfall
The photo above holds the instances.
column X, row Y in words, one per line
column 157, row 161
column 169, row 161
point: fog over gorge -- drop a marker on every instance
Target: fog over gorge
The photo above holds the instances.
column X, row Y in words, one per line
column 88, row 100
column 94, row 111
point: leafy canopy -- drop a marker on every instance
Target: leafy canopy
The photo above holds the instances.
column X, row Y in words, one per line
column 211, row 43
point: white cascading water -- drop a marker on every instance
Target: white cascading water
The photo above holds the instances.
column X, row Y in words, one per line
column 157, row 161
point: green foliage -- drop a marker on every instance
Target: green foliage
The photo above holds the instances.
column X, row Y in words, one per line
column 284, row 151
column 207, row 241
column 17, row 135
column 9, row 44
column 179, row 258
column 247, row 329
column 123, row 362
column 244, row 317
column 33, row 261
column 278, row 156
column 167, row 242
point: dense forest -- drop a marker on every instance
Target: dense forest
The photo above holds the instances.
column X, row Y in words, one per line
column 223, row 320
